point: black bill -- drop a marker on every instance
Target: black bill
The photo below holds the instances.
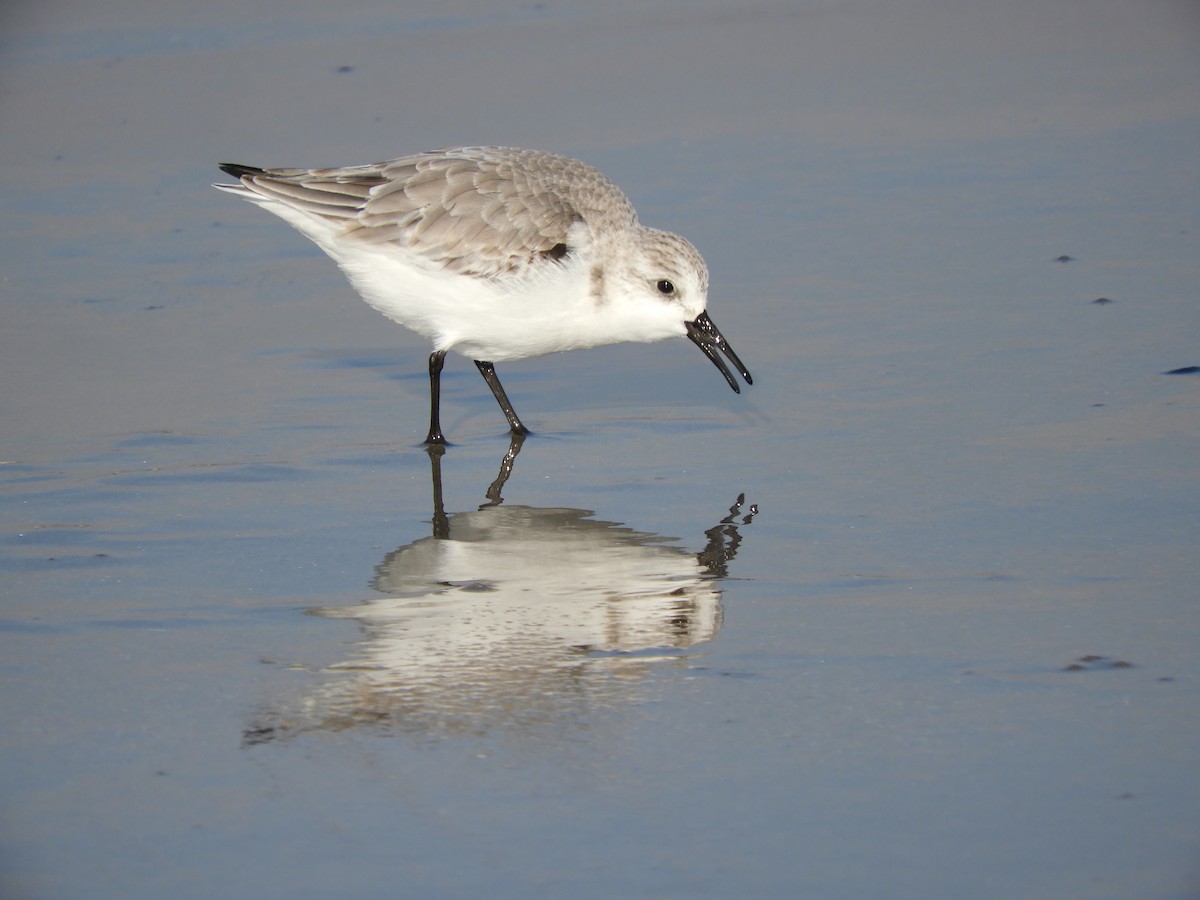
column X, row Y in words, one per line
column 705, row 335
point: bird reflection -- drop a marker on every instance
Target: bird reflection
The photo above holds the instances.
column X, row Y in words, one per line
column 512, row 617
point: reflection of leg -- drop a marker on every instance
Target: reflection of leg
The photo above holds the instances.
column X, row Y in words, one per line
column 506, row 467
column 488, row 371
column 724, row 539
column 441, row 525
column 435, row 436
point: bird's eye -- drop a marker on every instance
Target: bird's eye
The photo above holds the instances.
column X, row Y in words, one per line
column 666, row 288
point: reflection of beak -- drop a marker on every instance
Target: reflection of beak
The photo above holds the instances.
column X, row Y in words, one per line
column 705, row 335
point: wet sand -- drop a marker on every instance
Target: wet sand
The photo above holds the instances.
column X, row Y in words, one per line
column 255, row 640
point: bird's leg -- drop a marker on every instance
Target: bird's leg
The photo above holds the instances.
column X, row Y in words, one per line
column 436, row 359
column 488, row 371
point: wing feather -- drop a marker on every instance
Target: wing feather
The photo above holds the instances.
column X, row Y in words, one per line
column 482, row 211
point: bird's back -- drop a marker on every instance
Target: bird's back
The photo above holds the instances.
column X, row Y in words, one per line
column 481, row 211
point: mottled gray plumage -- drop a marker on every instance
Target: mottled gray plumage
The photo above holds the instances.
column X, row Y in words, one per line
column 480, row 211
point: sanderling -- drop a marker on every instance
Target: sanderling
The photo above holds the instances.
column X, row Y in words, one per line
column 498, row 254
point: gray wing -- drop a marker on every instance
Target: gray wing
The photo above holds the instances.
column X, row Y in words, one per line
column 481, row 211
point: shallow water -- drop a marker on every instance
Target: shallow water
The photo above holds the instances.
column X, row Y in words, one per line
column 944, row 644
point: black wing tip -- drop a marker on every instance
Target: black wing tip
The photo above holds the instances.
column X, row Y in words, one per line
column 237, row 171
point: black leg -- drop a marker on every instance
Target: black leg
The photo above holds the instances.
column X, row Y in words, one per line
column 436, row 359
column 488, row 371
